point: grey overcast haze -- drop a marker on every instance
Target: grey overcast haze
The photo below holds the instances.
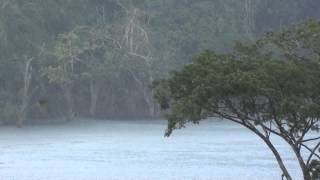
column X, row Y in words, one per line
column 159, row 89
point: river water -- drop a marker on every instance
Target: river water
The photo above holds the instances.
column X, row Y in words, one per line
column 124, row 150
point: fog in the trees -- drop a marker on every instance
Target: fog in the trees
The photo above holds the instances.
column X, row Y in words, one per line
column 97, row 59
column 85, row 88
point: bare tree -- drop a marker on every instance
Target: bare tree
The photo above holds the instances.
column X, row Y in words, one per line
column 27, row 76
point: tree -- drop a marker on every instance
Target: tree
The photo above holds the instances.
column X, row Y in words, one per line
column 269, row 93
column 66, row 51
column 155, row 37
column 25, row 92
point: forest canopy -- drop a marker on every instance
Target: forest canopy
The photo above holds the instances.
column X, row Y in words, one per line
column 97, row 58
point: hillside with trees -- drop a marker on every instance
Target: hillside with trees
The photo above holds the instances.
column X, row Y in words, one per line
column 97, row 58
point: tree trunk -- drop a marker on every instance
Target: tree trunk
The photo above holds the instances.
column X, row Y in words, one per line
column 146, row 94
column 306, row 172
column 68, row 96
column 94, row 94
column 249, row 18
column 25, row 96
column 303, row 166
column 149, row 102
column 279, row 159
column 274, row 151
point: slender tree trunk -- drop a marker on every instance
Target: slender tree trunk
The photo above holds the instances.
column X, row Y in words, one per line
column 303, row 166
column 146, row 94
column 274, row 151
column 68, row 96
column 25, row 96
column 94, row 94
column 279, row 159
column 152, row 104
column 249, row 17
column 305, row 170
column 149, row 102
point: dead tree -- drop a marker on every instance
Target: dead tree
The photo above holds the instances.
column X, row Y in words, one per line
column 136, row 41
column 25, row 92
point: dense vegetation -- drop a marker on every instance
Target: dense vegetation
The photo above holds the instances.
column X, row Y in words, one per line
column 97, row 58
column 270, row 87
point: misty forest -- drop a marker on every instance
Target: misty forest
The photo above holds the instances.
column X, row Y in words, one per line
column 89, row 89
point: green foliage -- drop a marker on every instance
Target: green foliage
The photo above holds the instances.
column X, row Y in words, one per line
column 268, row 93
column 212, row 80
column 315, row 169
column 256, row 83
column 73, row 41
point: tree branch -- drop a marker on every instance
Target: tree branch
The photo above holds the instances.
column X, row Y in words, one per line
column 313, row 152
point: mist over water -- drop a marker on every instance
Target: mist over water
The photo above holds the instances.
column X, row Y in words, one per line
column 63, row 60
column 88, row 149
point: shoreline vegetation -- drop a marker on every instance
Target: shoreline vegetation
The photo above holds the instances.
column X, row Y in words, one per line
column 254, row 63
column 98, row 58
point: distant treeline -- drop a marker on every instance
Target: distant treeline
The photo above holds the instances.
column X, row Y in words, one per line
column 97, row 58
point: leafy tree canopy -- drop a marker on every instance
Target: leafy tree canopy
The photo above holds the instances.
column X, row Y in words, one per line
column 269, row 92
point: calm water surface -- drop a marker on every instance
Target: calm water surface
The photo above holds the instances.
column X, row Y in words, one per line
column 121, row 150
